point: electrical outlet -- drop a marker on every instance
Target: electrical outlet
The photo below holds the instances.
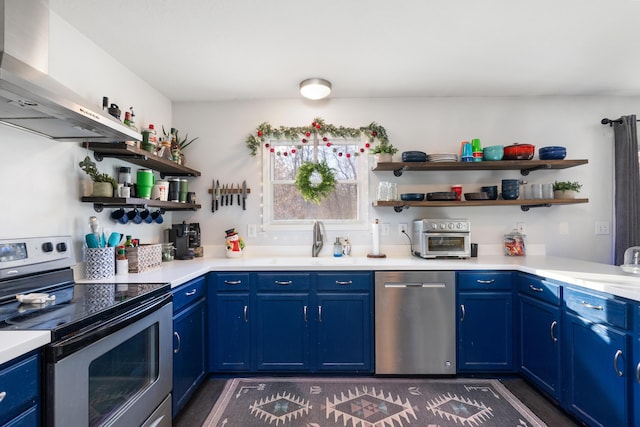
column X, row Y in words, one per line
column 402, row 228
column 520, row 227
column 252, row 230
column 384, row 229
column 602, row 227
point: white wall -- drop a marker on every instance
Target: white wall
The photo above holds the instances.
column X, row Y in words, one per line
column 432, row 125
column 41, row 190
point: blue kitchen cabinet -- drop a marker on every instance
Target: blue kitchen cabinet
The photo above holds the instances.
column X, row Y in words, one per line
column 540, row 333
column 20, row 388
column 344, row 322
column 597, row 366
column 636, row 364
column 189, row 344
column 282, row 321
column 231, row 312
column 485, row 322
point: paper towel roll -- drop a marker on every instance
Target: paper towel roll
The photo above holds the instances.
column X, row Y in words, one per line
column 375, row 231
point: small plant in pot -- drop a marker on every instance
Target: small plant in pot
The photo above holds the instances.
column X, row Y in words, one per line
column 103, row 184
column 566, row 189
column 384, row 151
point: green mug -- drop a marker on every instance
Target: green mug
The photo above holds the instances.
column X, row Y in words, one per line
column 144, row 182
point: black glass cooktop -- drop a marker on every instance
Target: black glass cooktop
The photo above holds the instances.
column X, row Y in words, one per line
column 75, row 306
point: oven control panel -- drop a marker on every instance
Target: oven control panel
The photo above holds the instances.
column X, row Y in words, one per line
column 33, row 254
column 447, row 225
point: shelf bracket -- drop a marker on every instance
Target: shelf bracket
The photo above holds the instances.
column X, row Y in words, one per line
column 525, row 208
column 398, row 172
column 400, row 208
column 525, row 172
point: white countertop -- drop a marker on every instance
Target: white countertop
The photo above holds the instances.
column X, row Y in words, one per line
column 590, row 275
column 17, row 343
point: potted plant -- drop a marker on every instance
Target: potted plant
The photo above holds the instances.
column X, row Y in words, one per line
column 178, row 145
column 566, row 189
column 384, row 151
column 103, row 184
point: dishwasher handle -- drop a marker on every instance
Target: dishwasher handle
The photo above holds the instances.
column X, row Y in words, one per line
column 414, row 285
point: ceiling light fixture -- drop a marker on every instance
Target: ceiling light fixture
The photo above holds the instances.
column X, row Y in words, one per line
column 315, row 88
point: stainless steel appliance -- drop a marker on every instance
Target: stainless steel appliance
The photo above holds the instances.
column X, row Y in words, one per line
column 110, row 357
column 415, row 323
column 441, row 238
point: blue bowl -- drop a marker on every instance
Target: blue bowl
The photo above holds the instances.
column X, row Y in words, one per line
column 493, row 153
column 412, row 197
column 552, row 153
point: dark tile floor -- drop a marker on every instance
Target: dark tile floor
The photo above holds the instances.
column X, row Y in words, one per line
column 198, row 408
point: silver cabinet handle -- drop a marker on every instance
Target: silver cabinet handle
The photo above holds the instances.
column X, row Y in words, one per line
column 304, row 312
column 233, row 282
column 190, row 293
column 284, row 282
column 344, row 283
column 637, row 375
column 463, row 311
column 533, row 288
column 486, row 282
column 594, row 307
column 177, row 350
column 319, row 313
column 554, row 324
column 244, row 314
column 615, row 363
column 3, row 394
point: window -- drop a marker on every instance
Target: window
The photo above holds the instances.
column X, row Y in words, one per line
column 283, row 206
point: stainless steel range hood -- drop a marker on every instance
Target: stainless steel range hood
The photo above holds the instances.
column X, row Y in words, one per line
column 29, row 98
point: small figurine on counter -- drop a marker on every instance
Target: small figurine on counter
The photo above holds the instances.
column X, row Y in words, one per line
column 235, row 244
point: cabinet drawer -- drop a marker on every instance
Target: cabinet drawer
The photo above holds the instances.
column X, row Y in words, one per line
column 490, row 280
column 284, row 281
column 20, row 383
column 188, row 293
column 344, row 281
column 598, row 308
column 539, row 288
column 232, row 282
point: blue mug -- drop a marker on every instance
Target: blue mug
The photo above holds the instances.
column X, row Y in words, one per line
column 120, row 216
column 134, row 216
column 157, row 217
column 146, row 216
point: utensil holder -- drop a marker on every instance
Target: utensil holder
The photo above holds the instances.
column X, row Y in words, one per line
column 100, row 262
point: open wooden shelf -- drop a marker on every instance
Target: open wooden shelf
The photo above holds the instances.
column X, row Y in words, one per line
column 99, row 203
column 525, row 204
column 524, row 166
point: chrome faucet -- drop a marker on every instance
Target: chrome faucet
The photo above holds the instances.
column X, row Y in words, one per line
column 317, row 239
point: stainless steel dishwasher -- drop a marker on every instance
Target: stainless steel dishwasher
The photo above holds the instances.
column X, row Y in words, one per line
column 415, row 322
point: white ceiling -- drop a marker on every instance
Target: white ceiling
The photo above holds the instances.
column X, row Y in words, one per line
column 200, row 50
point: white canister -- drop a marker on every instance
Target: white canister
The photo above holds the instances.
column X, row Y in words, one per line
column 163, row 190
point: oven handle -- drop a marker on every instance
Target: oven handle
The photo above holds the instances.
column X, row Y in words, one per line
column 61, row 349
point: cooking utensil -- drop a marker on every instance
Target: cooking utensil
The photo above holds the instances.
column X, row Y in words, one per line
column 244, row 195
column 519, row 152
column 226, row 195
column 92, row 240
column 114, row 239
column 213, row 195
column 217, row 194
column 239, row 195
column 442, row 195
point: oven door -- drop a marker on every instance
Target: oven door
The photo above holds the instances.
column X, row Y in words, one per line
column 446, row 245
column 117, row 374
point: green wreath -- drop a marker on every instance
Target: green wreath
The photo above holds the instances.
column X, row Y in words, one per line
column 315, row 191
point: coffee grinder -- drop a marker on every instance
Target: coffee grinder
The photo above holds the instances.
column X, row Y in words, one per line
column 179, row 235
column 194, row 239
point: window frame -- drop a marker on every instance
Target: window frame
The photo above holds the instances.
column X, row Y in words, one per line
column 362, row 188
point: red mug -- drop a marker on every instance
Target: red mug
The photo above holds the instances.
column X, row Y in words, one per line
column 458, row 190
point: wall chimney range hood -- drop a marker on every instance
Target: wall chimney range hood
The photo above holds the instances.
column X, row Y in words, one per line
column 29, row 98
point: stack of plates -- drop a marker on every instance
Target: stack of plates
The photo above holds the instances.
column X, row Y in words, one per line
column 414, row 156
column 442, row 195
column 445, row 157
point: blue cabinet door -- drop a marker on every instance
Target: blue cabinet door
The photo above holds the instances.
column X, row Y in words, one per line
column 485, row 332
column 597, row 374
column 344, row 332
column 188, row 352
column 282, row 331
column 636, row 374
column 540, row 344
column 230, row 333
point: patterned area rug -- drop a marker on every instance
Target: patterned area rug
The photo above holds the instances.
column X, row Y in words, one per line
column 368, row 402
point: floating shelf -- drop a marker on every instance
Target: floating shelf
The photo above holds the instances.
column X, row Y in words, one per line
column 99, row 203
column 139, row 157
column 525, row 205
column 524, row 166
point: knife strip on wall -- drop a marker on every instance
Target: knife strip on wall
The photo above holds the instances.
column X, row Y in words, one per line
column 222, row 194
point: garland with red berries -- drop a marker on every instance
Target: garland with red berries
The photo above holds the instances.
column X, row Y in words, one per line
column 318, row 128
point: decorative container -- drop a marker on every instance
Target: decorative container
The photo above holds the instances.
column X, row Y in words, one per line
column 100, row 262
column 102, row 189
column 144, row 257
column 514, row 244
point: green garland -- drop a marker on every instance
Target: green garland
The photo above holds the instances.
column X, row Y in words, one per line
column 315, row 192
column 265, row 131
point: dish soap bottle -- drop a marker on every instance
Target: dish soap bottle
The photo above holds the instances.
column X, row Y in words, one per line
column 346, row 247
column 337, row 248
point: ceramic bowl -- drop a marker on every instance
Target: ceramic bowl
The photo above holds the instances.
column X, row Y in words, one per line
column 519, row 152
column 412, row 197
column 493, row 152
column 552, row 153
column 491, row 190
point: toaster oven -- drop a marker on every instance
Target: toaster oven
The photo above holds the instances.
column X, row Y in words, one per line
column 441, row 238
